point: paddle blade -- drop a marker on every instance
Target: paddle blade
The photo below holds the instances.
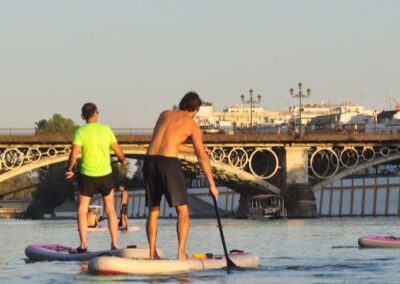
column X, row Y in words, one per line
column 230, row 264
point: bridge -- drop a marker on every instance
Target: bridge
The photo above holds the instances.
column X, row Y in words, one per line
column 294, row 167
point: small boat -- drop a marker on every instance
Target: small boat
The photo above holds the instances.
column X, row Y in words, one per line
column 121, row 265
column 50, row 252
column 374, row 241
column 267, row 206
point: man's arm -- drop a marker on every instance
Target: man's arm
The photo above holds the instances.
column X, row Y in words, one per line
column 120, row 155
column 73, row 156
column 123, row 167
column 202, row 157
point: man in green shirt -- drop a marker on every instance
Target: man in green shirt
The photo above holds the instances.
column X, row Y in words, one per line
column 94, row 140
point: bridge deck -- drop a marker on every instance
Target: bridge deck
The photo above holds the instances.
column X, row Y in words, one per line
column 221, row 138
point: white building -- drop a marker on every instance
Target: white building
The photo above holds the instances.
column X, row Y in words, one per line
column 240, row 115
column 386, row 122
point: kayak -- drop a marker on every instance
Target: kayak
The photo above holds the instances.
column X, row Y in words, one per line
column 105, row 228
column 122, row 265
column 374, row 241
column 50, row 252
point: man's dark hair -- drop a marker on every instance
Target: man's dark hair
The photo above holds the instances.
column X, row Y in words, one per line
column 88, row 110
column 190, row 102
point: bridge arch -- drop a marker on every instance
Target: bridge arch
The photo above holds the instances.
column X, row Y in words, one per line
column 221, row 171
column 31, row 166
column 349, row 171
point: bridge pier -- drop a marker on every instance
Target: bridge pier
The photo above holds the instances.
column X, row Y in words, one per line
column 300, row 201
column 243, row 209
column 299, row 198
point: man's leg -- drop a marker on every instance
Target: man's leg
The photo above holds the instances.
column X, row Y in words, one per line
column 182, row 228
column 83, row 207
column 125, row 220
column 124, row 223
column 151, row 229
column 108, row 202
column 120, row 220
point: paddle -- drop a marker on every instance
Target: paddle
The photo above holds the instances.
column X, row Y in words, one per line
column 229, row 262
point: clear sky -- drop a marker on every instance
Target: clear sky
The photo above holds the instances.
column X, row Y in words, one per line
column 137, row 58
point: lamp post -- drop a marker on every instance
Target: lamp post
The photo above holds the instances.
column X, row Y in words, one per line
column 251, row 101
column 300, row 95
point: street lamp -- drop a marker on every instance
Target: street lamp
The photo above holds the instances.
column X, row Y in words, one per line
column 251, row 101
column 300, row 95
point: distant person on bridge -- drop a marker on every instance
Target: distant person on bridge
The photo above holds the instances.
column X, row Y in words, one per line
column 162, row 170
column 94, row 140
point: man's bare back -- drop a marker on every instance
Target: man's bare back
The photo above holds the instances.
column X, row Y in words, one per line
column 172, row 130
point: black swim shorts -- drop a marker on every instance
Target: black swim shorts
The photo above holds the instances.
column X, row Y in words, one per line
column 123, row 209
column 164, row 175
column 88, row 185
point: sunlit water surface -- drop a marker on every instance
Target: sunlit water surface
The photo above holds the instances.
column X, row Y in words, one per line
column 291, row 251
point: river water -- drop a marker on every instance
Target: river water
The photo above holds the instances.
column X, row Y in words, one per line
column 321, row 250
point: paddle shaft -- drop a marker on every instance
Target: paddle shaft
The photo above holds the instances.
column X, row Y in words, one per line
column 229, row 262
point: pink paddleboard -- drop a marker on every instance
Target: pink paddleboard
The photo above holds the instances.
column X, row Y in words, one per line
column 41, row 252
column 374, row 241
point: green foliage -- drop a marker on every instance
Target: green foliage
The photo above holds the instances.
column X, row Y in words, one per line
column 137, row 182
column 117, row 175
column 121, row 175
column 137, row 178
column 18, row 182
column 56, row 125
column 52, row 190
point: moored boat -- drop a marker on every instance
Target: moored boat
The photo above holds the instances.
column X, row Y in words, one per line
column 267, row 206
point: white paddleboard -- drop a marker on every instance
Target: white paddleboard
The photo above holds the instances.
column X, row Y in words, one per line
column 121, row 265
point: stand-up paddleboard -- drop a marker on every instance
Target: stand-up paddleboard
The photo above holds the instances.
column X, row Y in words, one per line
column 373, row 241
column 131, row 228
column 122, row 265
column 50, row 252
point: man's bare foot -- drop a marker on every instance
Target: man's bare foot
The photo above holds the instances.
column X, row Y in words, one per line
column 182, row 256
column 155, row 256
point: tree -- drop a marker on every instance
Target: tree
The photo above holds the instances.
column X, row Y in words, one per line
column 19, row 187
column 51, row 191
column 135, row 182
column 137, row 178
column 52, row 188
column 56, row 125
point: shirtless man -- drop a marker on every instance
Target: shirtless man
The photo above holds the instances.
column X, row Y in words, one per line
column 162, row 170
column 123, row 219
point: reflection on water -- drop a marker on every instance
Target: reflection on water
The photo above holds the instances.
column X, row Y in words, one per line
column 291, row 251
